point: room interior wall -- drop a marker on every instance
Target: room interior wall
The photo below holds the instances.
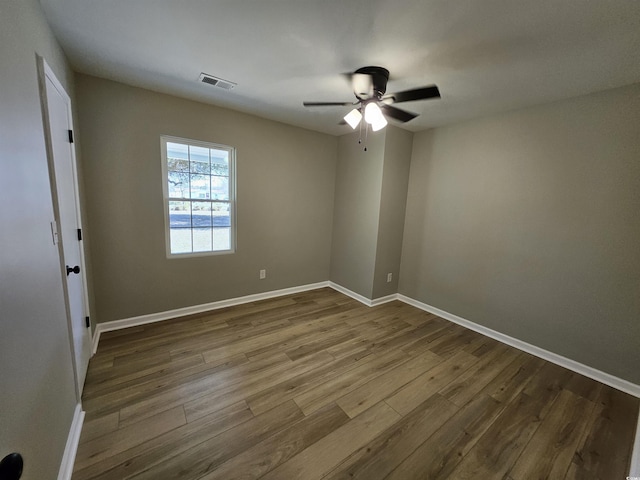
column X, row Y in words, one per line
column 285, row 191
column 368, row 218
column 393, row 200
column 356, row 214
column 528, row 223
column 38, row 396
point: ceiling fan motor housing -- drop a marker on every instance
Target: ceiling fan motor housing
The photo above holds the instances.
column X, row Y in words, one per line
column 370, row 86
column 379, row 79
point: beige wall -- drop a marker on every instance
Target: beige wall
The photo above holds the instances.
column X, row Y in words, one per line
column 285, row 191
column 356, row 213
column 393, row 200
column 529, row 223
column 38, row 389
column 368, row 218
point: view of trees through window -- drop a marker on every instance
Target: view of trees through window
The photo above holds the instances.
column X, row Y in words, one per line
column 199, row 197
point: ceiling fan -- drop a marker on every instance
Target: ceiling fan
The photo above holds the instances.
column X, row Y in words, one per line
column 369, row 87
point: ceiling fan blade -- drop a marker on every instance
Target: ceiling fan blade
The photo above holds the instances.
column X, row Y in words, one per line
column 326, row 104
column 397, row 114
column 423, row 93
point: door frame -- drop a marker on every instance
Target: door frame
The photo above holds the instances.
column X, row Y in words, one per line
column 45, row 72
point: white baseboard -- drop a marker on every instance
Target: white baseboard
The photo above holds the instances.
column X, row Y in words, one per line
column 206, row 307
column 380, row 300
column 362, row 299
column 71, row 448
column 349, row 293
column 95, row 339
column 634, row 470
column 602, row 377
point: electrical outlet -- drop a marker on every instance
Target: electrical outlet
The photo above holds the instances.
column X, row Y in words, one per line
column 263, row 274
column 389, row 277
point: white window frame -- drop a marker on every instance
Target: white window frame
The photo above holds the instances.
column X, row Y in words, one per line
column 166, row 199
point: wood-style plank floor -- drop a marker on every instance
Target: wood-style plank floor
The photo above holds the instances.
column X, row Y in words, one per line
column 316, row 385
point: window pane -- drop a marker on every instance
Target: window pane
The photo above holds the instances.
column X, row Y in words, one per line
column 177, row 150
column 220, row 188
column 180, row 214
column 174, row 165
column 177, row 157
column 200, row 186
column 199, row 160
column 221, row 238
column 220, row 162
column 178, row 184
column 201, row 214
column 202, row 239
column 220, row 214
column 180, row 240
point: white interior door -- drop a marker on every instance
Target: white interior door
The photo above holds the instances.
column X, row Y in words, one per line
column 65, row 186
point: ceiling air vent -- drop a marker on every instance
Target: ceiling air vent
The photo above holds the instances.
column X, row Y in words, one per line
column 218, row 82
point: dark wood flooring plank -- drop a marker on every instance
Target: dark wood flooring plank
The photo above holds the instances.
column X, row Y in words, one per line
column 294, row 386
column 319, row 344
column 227, row 336
column 117, row 380
column 331, row 390
column 379, row 388
column 122, row 439
column 228, row 394
column 448, row 346
column 469, row 383
column 576, row 472
column 145, row 455
column 318, row 459
column 379, row 457
column 606, row 451
column 158, row 391
column 100, row 426
column 429, row 383
column 428, row 340
column 280, row 447
column 203, row 458
column 191, row 389
column 287, row 334
column 437, row 457
column 513, row 378
column 500, row 446
column 551, row 449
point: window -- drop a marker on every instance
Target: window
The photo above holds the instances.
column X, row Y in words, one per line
column 199, row 197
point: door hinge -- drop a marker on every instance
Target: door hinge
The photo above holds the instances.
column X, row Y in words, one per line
column 79, row 234
column 87, row 322
column 70, row 136
column 54, row 232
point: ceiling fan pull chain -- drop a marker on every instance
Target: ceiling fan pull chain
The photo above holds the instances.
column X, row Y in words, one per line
column 366, row 135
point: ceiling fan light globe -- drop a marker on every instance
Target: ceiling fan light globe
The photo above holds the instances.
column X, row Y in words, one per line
column 372, row 113
column 353, row 118
column 379, row 123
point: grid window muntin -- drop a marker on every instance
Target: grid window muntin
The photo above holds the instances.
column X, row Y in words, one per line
column 199, row 197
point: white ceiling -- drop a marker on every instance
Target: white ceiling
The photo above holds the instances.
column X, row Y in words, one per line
column 486, row 56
